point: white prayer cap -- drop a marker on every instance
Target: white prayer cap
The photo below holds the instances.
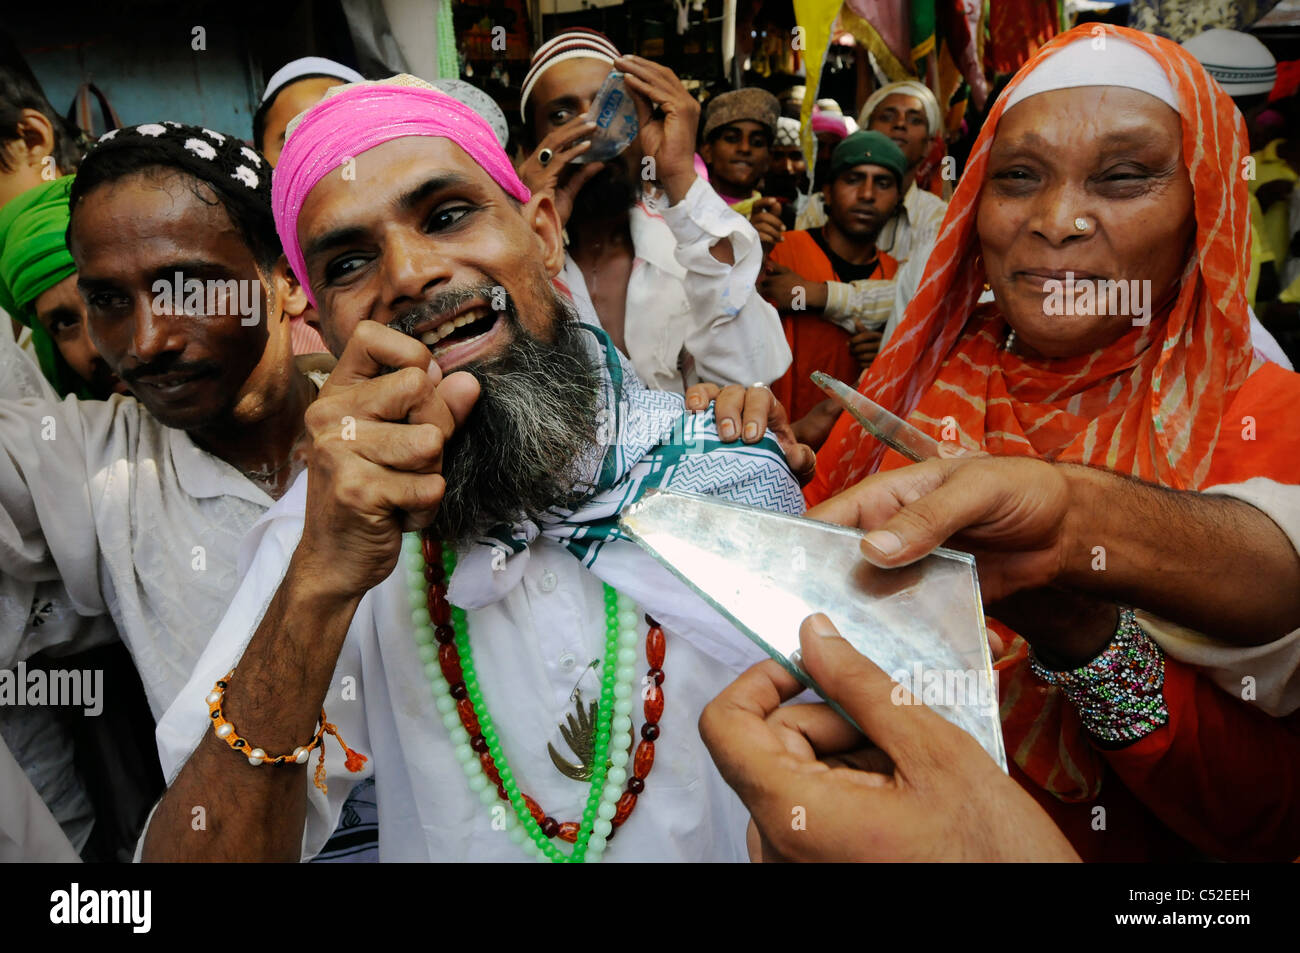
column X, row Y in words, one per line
column 905, row 87
column 787, row 133
column 1237, row 61
column 574, row 43
column 1117, row 63
column 305, row 68
column 480, row 102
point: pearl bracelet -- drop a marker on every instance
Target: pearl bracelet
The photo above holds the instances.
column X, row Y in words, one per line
column 1120, row 694
column 225, row 730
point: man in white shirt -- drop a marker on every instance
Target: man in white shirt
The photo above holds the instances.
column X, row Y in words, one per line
column 669, row 273
column 133, row 508
column 519, row 443
column 123, row 517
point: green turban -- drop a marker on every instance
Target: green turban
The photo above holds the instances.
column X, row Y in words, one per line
column 34, row 257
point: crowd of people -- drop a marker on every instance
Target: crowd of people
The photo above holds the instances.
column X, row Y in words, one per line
column 315, row 442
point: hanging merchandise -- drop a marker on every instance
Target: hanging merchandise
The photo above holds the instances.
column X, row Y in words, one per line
column 728, row 33
column 921, row 23
column 961, row 34
column 815, row 19
column 450, row 62
column 1181, row 20
column 1017, row 28
column 881, row 27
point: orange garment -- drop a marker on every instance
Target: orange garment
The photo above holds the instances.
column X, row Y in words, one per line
column 1175, row 377
column 1162, row 403
column 304, row 338
column 929, row 174
column 815, row 343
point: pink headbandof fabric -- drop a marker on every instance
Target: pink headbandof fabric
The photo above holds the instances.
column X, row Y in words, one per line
column 359, row 117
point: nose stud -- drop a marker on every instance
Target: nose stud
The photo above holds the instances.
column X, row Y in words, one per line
column 1081, row 224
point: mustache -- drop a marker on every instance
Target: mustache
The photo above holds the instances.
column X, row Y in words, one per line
column 446, row 303
column 158, row 368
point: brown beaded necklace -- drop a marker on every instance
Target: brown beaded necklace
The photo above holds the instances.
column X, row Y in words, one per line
column 449, row 661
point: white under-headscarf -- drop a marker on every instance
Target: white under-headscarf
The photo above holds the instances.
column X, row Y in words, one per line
column 1098, row 61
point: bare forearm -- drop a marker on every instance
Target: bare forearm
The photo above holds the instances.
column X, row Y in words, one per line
column 273, row 699
column 1212, row 563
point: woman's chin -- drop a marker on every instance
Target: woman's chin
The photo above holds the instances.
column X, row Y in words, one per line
column 1059, row 337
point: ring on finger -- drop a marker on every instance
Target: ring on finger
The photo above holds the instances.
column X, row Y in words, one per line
column 759, row 384
column 544, row 157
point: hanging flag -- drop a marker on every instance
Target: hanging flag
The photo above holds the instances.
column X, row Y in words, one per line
column 922, row 32
column 814, row 20
column 882, row 27
column 962, row 24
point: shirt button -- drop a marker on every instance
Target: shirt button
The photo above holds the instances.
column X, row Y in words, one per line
column 567, row 661
column 548, row 581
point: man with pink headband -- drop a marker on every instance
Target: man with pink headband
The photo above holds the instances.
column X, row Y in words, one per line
column 471, row 411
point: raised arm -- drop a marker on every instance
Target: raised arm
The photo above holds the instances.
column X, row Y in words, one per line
column 374, row 461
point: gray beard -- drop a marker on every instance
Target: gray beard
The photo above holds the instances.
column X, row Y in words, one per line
column 521, row 450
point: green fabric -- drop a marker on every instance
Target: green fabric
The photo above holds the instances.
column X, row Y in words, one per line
column 866, row 146
column 34, row 257
column 921, row 19
column 444, row 28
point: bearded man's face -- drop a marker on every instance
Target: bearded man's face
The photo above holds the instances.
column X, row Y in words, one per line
column 425, row 241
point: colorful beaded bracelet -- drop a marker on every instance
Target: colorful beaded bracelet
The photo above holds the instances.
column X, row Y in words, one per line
column 1120, row 694
column 225, row 730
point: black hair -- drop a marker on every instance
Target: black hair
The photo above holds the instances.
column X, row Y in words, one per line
column 264, row 109
column 128, row 152
column 19, row 90
column 259, row 123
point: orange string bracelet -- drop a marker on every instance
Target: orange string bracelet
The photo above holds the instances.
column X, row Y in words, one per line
column 225, row 730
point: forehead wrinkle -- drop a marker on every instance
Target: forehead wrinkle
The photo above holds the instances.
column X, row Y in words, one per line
column 204, row 245
column 434, row 172
column 1137, row 136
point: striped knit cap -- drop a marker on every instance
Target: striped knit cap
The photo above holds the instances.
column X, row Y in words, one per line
column 572, row 44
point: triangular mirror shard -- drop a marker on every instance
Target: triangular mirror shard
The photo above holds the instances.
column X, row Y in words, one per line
column 767, row 572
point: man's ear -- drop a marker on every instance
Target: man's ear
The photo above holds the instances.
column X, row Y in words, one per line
column 542, row 216
column 36, row 135
column 290, row 297
column 706, row 153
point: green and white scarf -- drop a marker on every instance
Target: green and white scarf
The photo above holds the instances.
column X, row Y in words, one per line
column 646, row 440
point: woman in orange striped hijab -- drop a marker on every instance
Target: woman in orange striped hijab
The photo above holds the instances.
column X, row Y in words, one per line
column 1112, row 169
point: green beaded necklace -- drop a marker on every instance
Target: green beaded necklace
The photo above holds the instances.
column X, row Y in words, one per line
column 613, row 726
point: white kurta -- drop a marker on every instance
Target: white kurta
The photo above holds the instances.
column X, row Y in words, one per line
column 690, row 317
column 530, row 649
column 109, row 523
column 115, row 517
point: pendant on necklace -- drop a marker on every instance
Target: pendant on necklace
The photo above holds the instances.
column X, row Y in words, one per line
column 580, row 735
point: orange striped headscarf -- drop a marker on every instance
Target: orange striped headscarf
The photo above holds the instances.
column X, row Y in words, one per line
column 1149, row 404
